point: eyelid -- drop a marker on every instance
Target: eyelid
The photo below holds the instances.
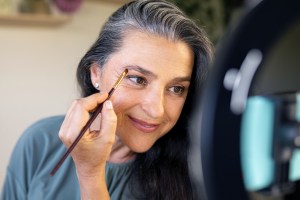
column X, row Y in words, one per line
column 129, row 77
column 183, row 89
column 140, row 70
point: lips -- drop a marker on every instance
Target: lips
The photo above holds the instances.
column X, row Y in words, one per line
column 143, row 126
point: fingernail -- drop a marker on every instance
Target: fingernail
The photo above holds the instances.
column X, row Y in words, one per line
column 108, row 104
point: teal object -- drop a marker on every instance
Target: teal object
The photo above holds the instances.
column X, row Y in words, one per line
column 256, row 143
column 295, row 166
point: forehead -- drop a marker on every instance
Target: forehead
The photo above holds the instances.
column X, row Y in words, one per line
column 155, row 52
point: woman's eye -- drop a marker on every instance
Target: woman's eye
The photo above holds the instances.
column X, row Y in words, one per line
column 178, row 90
column 137, row 80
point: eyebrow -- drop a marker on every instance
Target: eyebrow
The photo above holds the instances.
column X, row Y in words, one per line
column 182, row 79
column 149, row 73
column 141, row 70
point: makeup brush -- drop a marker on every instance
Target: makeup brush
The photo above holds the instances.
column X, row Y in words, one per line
column 88, row 124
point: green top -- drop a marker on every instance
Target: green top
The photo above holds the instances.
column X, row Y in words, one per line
column 34, row 156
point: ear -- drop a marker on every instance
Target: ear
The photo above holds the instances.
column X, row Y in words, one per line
column 95, row 74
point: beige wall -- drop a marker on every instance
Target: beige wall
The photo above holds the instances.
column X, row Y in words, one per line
column 37, row 70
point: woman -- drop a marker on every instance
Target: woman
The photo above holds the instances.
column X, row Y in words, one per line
column 138, row 148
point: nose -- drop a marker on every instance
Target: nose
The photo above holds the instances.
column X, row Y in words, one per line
column 153, row 104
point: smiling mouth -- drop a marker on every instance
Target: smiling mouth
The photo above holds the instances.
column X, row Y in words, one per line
column 143, row 126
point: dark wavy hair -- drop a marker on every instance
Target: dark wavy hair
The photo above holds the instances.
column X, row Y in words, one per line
column 161, row 172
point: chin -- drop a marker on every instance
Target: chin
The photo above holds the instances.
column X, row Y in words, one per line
column 139, row 148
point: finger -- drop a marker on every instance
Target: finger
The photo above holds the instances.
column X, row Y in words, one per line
column 95, row 126
column 78, row 115
column 91, row 102
column 108, row 123
column 80, row 108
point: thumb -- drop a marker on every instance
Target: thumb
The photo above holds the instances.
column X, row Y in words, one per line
column 108, row 122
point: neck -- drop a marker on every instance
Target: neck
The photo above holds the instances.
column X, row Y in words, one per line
column 120, row 153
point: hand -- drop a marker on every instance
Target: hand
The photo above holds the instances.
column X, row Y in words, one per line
column 92, row 151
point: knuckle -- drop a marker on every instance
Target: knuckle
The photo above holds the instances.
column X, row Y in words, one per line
column 110, row 118
column 77, row 102
column 113, row 119
column 62, row 136
column 110, row 140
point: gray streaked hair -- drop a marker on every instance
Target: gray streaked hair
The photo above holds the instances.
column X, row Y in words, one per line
column 158, row 17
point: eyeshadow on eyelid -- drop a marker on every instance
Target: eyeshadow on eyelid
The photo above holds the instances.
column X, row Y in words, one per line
column 140, row 70
column 151, row 74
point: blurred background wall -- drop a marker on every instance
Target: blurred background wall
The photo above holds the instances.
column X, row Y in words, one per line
column 37, row 68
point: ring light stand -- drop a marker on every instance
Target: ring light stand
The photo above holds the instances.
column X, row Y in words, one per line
column 229, row 160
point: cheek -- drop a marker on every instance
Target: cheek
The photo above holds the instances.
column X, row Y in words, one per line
column 122, row 101
column 105, row 84
column 174, row 110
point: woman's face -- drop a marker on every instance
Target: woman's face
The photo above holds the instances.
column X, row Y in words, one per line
column 149, row 100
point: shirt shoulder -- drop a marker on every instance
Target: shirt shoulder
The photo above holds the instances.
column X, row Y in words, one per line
column 37, row 142
column 47, row 127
